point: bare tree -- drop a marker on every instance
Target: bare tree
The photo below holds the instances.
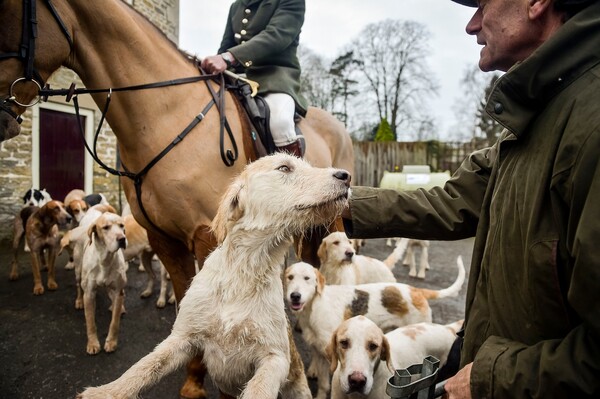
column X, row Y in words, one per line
column 315, row 80
column 391, row 56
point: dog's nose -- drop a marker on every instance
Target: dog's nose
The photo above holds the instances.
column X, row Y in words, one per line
column 122, row 242
column 343, row 176
column 69, row 218
column 349, row 254
column 295, row 296
column 357, row 381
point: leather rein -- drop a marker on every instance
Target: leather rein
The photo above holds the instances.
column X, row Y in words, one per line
column 26, row 54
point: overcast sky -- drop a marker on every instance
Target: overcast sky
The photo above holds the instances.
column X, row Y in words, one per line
column 331, row 24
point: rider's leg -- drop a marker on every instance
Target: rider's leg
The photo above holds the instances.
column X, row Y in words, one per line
column 281, row 122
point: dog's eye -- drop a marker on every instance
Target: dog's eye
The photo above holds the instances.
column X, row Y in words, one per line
column 344, row 344
column 336, row 243
column 107, row 227
column 373, row 346
column 306, row 278
column 290, row 278
column 284, row 168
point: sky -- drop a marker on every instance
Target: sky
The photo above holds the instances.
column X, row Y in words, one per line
column 331, row 24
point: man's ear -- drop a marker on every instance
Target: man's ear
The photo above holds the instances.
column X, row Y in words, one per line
column 537, row 8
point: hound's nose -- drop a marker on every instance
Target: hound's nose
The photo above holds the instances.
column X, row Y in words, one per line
column 295, row 296
column 357, row 381
column 343, row 176
column 349, row 254
column 69, row 218
column 122, row 242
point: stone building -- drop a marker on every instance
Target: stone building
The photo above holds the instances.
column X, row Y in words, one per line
column 49, row 152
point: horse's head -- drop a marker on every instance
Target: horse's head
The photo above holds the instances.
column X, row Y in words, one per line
column 29, row 53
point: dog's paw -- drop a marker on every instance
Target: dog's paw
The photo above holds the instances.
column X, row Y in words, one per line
column 161, row 303
column 311, row 372
column 110, row 345
column 93, row 347
column 95, row 393
column 146, row 293
column 13, row 276
column 70, row 266
column 52, row 286
column 172, row 299
column 38, row 289
column 79, row 303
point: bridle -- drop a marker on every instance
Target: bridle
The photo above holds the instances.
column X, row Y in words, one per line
column 26, row 54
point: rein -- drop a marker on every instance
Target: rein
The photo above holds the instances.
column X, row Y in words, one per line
column 26, row 54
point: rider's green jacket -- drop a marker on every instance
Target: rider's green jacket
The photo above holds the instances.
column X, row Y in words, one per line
column 532, row 201
column 263, row 36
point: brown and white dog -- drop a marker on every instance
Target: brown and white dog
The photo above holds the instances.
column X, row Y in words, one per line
column 362, row 358
column 340, row 265
column 138, row 246
column 42, row 236
column 74, row 241
column 233, row 310
column 33, row 197
column 103, row 266
column 76, row 206
column 320, row 308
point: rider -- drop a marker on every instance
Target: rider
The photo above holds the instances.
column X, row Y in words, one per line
column 261, row 39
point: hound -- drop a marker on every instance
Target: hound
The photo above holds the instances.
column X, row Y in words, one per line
column 32, row 197
column 234, row 310
column 362, row 358
column 103, row 265
column 412, row 246
column 321, row 308
column 340, row 265
column 42, row 236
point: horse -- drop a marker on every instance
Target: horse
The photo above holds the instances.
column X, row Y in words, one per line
column 110, row 45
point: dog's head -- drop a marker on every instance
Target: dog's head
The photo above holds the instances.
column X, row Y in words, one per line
column 109, row 231
column 54, row 212
column 336, row 249
column 302, row 283
column 35, row 197
column 282, row 195
column 357, row 347
column 77, row 208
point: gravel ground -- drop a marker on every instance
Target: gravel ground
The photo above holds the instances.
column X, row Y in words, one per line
column 42, row 338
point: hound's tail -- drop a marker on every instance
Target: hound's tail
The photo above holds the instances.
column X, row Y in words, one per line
column 397, row 254
column 167, row 357
column 454, row 289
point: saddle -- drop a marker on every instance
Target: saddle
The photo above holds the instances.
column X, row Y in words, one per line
column 258, row 115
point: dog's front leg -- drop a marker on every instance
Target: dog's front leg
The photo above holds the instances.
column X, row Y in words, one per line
column 36, row 261
column 270, row 374
column 112, row 339
column 89, row 308
column 52, row 251
column 324, row 382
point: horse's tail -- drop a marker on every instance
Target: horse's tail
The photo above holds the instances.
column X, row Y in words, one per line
column 168, row 356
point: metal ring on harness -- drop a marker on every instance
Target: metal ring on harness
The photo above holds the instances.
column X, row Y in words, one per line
column 13, row 98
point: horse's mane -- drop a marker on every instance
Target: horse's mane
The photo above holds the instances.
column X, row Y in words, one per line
column 192, row 59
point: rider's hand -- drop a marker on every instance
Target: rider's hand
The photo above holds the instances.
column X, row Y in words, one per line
column 214, row 64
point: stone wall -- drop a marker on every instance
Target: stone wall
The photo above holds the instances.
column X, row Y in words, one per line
column 16, row 153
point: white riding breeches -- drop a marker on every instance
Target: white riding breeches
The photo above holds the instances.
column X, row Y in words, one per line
column 281, row 121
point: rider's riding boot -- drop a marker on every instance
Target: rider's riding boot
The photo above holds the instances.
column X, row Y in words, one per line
column 296, row 148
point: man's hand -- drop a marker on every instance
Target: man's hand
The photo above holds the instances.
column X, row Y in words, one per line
column 214, row 64
column 459, row 386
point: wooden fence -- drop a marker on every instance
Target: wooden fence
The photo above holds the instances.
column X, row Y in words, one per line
column 373, row 158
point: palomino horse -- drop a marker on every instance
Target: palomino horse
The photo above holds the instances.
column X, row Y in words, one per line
column 110, row 45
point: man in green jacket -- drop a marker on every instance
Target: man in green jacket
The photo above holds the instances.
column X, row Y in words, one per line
column 532, row 201
column 261, row 39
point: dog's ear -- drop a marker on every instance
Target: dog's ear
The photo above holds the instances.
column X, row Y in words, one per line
column 320, row 282
column 385, row 354
column 231, row 209
column 92, row 230
column 322, row 251
column 331, row 352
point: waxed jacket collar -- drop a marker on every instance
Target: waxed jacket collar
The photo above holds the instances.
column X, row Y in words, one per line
column 528, row 86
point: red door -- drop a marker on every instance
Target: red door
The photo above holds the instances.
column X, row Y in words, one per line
column 62, row 153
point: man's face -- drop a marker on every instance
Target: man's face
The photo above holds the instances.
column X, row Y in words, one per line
column 504, row 29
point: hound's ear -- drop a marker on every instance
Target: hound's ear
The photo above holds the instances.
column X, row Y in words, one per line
column 320, row 282
column 385, row 355
column 331, row 352
column 322, row 252
column 92, row 230
column 231, row 209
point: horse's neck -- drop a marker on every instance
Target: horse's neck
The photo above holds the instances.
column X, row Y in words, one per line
column 117, row 47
